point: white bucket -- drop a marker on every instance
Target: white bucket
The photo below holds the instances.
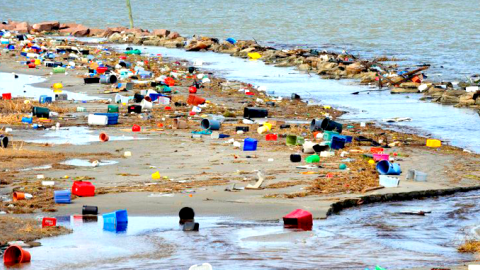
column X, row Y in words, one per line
column 97, row 120
column 389, row 181
column 472, row 89
column 146, row 105
column 308, row 147
column 163, row 100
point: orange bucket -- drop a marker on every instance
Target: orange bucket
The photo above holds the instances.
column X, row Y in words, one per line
column 18, row 196
column 195, row 100
column 104, row 137
column 416, row 79
column 16, row 254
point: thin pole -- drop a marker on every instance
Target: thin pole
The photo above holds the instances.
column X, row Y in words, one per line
column 130, row 16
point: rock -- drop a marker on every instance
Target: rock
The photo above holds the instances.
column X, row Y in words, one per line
column 161, row 32
column 136, row 31
column 435, row 92
column 23, row 27
column 304, row 67
column 466, row 99
column 115, row 37
column 173, row 35
column 68, row 25
column 46, row 26
column 97, row 32
column 398, row 90
column 112, row 30
column 195, row 46
column 354, row 68
column 411, row 85
column 177, row 43
column 80, row 31
column 155, row 41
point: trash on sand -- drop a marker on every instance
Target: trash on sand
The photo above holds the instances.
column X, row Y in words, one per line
column 386, row 167
column 300, row 219
column 115, row 221
column 83, row 189
column 49, row 222
column 433, row 143
column 388, row 181
column 204, row 266
column 258, row 184
column 16, row 254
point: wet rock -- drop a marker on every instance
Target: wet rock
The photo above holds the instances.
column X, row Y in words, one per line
column 398, row 90
column 46, row 26
column 466, row 99
column 173, row 35
column 112, row 30
column 177, row 43
column 196, row 46
column 154, row 41
column 115, row 37
column 137, row 31
column 161, row 32
column 410, row 85
column 451, row 96
column 97, row 32
column 68, row 25
column 80, row 31
column 355, row 68
column 435, row 92
column 304, row 67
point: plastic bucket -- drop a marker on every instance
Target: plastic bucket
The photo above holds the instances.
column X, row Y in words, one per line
column 97, row 120
column 7, row 96
column 112, row 118
column 104, row 137
column 291, row 140
column 3, row 141
column 337, row 143
column 328, row 135
column 250, row 144
column 91, row 80
column 89, row 210
column 59, row 70
column 210, row 124
column 313, row 159
column 384, row 167
column 195, row 100
column 295, row 158
column 250, row 112
column 378, row 157
column 108, row 79
column 18, row 196
column 16, row 254
column 112, row 109
column 331, row 125
column 62, row 196
column 308, row 147
column 41, row 112
column 135, row 109
column 179, row 124
column 271, row 137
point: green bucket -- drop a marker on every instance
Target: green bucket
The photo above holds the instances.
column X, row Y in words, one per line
column 313, row 159
column 41, row 112
column 58, row 70
column 291, row 140
column 327, row 135
column 136, row 51
column 81, row 109
column 112, row 108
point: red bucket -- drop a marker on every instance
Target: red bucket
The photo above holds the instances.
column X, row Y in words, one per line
column 16, row 254
column 7, row 96
column 101, row 70
column 49, row 222
column 136, row 128
column 195, row 100
column 271, row 137
column 300, row 219
column 83, row 189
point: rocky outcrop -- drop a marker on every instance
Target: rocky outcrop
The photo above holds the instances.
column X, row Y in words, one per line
column 46, row 26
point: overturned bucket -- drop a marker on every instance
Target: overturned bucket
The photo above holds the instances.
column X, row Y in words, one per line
column 331, row 125
column 16, row 254
column 210, row 124
column 385, row 167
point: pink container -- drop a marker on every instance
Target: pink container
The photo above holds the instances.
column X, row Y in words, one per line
column 378, row 157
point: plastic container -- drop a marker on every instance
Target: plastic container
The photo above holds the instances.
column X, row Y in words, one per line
column 250, row 144
column 327, row 135
column 231, row 40
column 146, row 105
column 384, row 167
column 434, row 143
column 312, row 159
column 244, row 129
column 291, row 140
column 295, row 158
column 300, row 140
column 271, row 137
column 62, row 196
column 337, row 143
column 378, row 157
column 316, row 125
column 420, row 176
column 27, row 120
column 210, row 124
column 59, row 97
column 89, row 210
column 112, row 118
column 331, row 125
column 134, row 109
column 45, row 99
column 195, row 100
column 154, row 96
column 300, row 219
column 101, row 70
column 115, row 221
column 41, row 112
column 3, row 141
column 108, row 79
column 18, row 196
column 49, row 222
column 112, row 109
column 90, row 80
column 58, row 70
column 388, row 181
column 376, row 150
column 192, row 89
column 348, row 139
column 83, row 189
column 16, row 254
column 136, row 128
column 251, row 112
column 97, row 120
column 308, row 147
column 7, row 96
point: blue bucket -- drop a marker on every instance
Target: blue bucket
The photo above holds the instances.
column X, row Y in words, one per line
column 337, row 143
column 154, row 96
column 45, row 99
column 348, row 139
column 112, row 118
column 62, row 196
column 250, row 144
column 231, row 40
column 385, row 167
column 210, row 124
column 27, row 120
column 115, row 221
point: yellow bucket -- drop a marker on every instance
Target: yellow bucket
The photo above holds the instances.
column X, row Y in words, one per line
column 433, row 143
column 268, row 125
column 254, row 55
column 57, row 86
column 156, row 175
column 38, row 62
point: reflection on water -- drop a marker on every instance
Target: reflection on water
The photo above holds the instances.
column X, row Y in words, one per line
column 355, row 239
column 75, row 136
